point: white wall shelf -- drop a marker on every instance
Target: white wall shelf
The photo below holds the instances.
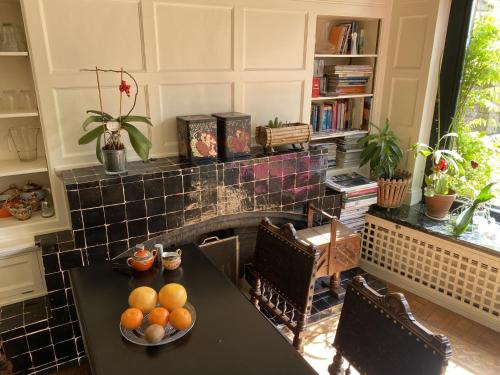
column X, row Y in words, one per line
column 11, row 222
column 17, row 167
column 13, row 54
column 327, row 55
column 348, row 96
column 18, row 114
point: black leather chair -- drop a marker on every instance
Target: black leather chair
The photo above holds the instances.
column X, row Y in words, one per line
column 378, row 335
column 285, row 270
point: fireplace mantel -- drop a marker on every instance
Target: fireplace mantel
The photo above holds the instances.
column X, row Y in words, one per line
column 111, row 214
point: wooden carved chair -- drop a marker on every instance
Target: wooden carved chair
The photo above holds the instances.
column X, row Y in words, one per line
column 285, row 268
column 339, row 247
column 378, row 335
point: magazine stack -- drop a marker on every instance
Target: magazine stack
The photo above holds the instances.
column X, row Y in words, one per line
column 358, row 194
column 349, row 151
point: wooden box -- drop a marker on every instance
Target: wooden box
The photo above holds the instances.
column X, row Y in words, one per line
column 294, row 133
column 197, row 136
column 233, row 134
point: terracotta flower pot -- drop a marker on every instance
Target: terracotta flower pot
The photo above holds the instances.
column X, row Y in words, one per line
column 437, row 206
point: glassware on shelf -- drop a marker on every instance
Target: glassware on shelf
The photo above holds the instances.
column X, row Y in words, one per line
column 25, row 141
column 20, row 38
column 25, row 100
column 47, row 209
column 9, row 42
column 8, row 101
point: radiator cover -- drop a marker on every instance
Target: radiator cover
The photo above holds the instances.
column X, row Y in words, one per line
column 465, row 280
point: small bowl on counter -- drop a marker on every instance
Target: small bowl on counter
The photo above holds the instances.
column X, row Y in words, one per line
column 171, row 260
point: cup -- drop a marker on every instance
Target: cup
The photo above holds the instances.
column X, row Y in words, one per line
column 8, row 101
column 25, row 100
column 25, row 141
column 8, row 40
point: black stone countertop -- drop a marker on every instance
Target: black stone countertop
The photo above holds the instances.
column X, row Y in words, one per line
column 230, row 335
column 414, row 217
column 174, row 165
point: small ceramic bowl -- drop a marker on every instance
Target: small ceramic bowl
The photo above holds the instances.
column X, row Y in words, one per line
column 21, row 211
column 171, row 260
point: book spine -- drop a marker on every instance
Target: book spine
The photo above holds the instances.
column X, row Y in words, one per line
column 316, row 86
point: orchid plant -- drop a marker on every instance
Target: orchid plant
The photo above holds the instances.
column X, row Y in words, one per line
column 110, row 128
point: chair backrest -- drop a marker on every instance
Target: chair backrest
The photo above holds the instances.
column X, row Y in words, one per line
column 378, row 335
column 286, row 263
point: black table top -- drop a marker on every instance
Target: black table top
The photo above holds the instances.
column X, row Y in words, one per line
column 230, row 336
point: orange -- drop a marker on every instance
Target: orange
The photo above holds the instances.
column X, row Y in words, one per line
column 159, row 315
column 131, row 318
column 172, row 296
column 144, row 298
column 180, row 318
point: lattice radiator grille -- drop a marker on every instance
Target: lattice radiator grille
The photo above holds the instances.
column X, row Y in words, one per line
column 468, row 276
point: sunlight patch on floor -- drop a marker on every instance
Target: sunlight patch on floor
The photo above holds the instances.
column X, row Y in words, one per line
column 319, row 352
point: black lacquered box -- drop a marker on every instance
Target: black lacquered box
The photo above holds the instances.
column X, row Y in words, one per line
column 233, row 134
column 197, row 136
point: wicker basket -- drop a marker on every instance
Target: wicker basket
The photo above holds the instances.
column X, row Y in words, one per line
column 294, row 133
column 391, row 192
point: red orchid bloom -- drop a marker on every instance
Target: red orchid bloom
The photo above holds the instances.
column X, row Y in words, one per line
column 474, row 164
column 442, row 165
column 125, row 88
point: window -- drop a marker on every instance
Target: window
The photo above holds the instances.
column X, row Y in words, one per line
column 471, row 103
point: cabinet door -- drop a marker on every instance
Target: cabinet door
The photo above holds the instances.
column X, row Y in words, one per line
column 20, row 278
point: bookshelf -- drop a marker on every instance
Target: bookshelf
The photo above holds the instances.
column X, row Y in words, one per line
column 345, row 59
column 341, row 102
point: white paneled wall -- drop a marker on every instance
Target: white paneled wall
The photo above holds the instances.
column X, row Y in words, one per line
column 189, row 57
column 416, row 41
column 206, row 56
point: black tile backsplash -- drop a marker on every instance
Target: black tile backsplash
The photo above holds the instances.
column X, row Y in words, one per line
column 153, row 188
column 90, row 197
column 135, row 210
column 112, row 194
column 134, row 191
column 112, row 214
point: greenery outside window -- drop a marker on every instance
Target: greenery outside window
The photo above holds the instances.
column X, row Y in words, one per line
column 472, row 105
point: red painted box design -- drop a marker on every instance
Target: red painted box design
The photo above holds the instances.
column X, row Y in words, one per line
column 233, row 134
column 197, row 137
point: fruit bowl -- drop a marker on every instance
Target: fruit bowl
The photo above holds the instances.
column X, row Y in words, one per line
column 136, row 336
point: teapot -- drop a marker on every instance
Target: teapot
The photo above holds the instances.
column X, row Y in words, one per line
column 142, row 260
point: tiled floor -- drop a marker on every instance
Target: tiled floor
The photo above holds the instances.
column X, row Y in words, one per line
column 476, row 349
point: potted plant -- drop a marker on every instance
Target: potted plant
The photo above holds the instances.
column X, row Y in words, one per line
column 383, row 152
column 277, row 134
column 438, row 192
column 113, row 155
column 465, row 218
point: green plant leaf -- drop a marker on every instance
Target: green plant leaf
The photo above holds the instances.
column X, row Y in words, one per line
column 91, row 135
column 143, row 119
column 106, row 116
column 98, row 152
column 424, row 153
column 463, row 220
column 91, row 120
column 485, row 194
column 139, row 142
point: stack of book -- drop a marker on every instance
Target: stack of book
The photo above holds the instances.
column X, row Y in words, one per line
column 338, row 115
column 358, row 193
column 340, row 37
column 332, row 152
column 349, row 151
column 347, row 79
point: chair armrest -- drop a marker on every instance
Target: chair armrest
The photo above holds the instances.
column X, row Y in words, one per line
column 310, row 212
